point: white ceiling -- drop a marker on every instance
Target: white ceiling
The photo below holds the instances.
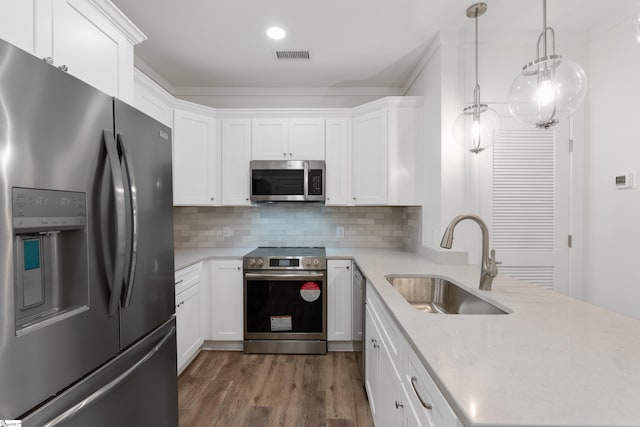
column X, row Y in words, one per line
column 353, row 43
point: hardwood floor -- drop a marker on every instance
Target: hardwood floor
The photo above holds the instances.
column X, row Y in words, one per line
column 234, row 389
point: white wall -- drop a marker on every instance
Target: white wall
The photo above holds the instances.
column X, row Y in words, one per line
column 444, row 193
column 612, row 264
column 427, row 84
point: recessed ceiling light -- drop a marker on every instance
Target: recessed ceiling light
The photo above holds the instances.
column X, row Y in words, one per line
column 276, row 33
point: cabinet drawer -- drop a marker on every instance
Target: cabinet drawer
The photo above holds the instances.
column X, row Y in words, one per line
column 390, row 334
column 187, row 277
column 423, row 392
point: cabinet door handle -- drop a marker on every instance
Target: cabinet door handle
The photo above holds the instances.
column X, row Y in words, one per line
column 284, row 154
column 179, row 281
column 399, row 405
column 290, row 154
column 237, row 268
column 426, row 405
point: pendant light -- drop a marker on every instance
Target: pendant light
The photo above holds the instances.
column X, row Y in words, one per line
column 548, row 88
column 476, row 125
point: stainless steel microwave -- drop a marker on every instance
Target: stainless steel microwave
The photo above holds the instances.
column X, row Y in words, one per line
column 287, row 180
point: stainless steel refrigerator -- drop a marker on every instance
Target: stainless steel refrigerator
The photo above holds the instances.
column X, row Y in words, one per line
column 87, row 323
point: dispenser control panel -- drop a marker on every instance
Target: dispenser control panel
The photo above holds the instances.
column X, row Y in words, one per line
column 48, row 209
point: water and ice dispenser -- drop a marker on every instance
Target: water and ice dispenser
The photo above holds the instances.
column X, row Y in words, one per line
column 50, row 256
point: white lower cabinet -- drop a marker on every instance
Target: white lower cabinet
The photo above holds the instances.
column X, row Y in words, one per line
column 226, row 300
column 431, row 408
column 339, row 304
column 401, row 392
column 383, row 382
column 188, row 313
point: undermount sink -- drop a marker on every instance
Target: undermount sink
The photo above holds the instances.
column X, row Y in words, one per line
column 437, row 295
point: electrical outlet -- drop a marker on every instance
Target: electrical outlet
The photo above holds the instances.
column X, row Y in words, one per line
column 340, row 232
column 227, row 232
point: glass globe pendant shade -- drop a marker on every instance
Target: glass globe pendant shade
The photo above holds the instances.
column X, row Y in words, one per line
column 475, row 127
column 547, row 90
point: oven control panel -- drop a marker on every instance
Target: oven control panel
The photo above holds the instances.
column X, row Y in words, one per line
column 284, row 263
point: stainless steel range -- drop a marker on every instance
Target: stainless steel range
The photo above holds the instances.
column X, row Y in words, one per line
column 285, row 300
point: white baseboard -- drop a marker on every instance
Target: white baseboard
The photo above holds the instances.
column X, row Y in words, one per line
column 223, row 345
column 239, row 346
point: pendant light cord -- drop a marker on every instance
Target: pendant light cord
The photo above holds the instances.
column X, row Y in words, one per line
column 476, row 89
column 544, row 25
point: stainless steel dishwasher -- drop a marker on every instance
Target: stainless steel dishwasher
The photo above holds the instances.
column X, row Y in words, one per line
column 359, row 298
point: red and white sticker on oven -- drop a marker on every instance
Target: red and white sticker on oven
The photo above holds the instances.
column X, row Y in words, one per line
column 310, row 291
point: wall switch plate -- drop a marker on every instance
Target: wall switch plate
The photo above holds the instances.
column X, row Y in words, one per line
column 227, row 232
column 340, row 232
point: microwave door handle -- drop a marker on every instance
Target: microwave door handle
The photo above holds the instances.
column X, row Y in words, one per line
column 133, row 194
column 118, row 193
column 306, row 180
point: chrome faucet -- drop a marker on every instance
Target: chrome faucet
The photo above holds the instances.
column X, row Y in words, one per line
column 489, row 269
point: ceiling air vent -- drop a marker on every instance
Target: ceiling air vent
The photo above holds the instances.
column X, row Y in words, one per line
column 291, row 54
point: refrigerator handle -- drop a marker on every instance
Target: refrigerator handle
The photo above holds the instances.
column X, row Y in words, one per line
column 118, row 192
column 133, row 194
column 110, row 385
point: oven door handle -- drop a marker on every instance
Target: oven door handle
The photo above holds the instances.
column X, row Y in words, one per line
column 285, row 276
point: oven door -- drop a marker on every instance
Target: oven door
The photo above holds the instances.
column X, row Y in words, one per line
column 285, row 305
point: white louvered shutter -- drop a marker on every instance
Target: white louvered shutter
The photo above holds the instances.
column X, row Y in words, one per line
column 529, row 207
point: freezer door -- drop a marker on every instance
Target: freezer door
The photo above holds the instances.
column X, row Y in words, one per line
column 148, row 296
column 54, row 281
column 138, row 388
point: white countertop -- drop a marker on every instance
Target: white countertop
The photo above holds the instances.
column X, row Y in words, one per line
column 186, row 257
column 554, row 361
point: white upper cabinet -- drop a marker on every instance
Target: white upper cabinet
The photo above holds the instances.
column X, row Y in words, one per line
column 287, row 139
column 195, row 159
column 91, row 38
column 370, row 158
column 236, row 155
column 387, row 153
column 338, row 133
column 270, row 139
column 306, row 139
column 17, row 23
column 152, row 100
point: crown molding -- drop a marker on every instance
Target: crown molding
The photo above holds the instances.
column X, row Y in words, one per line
column 153, row 75
column 285, row 91
column 148, row 83
column 389, row 101
column 120, row 20
column 223, row 113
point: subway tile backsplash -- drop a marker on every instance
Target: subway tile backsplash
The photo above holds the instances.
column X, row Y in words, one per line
column 297, row 224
